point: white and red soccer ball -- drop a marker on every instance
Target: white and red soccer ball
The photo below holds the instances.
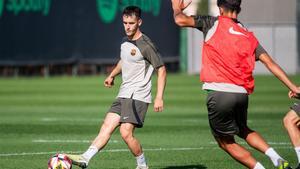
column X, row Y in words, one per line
column 59, row 161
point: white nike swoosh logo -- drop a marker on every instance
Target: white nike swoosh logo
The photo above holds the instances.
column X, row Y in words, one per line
column 232, row 31
column 125, row 118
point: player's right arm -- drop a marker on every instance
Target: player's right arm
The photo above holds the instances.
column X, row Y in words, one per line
column 109, row 81
column 180, row 18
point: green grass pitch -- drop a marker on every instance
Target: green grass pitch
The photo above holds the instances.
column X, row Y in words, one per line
column 43, row 116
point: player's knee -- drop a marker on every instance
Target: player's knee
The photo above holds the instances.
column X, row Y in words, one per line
column 232, row 149
column 226, row 146
column 125, row 134
column 289, row 120
column 224, row 143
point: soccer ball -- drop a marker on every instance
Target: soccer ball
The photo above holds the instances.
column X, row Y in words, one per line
column 59, row 161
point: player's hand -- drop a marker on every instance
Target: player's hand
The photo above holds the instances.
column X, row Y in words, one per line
column 158, row 105
column 180, row 4
column 295, row 94
column 109, row 82
column 291, row 94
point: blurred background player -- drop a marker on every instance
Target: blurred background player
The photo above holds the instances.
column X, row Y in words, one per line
column 139, row 58
column 228, row 59
column 291, row 123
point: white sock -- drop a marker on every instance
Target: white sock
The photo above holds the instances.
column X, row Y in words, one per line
column 141, row 160
column 274, row 156
column 297, row 149
column 258, row 166
column 90, row 152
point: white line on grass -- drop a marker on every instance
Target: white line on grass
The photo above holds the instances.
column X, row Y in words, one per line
column 123, row 150
column 68, row 141
column 111, row 150
column 49, row 119
column 30, row 154
column 279, row 143
column 116, row 141
column 60, row 141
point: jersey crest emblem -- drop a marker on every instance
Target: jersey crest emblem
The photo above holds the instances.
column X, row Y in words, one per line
column 133, row 52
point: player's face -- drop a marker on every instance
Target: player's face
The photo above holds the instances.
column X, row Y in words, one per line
column 131, row 24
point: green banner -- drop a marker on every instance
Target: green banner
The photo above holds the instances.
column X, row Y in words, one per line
column 1, row 6
column 108, row 9
column 38, row 32
column 17, row 6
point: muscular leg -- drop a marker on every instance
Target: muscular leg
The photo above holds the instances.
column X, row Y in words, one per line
column 292, row 123
column 111, row 121
column 126, row 130
column 236, row 151
column 255, row 140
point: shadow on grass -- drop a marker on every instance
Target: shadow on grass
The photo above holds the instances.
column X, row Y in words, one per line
column 186, row 167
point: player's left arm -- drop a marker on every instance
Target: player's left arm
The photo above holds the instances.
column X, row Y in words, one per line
column 278, row 72
column 161, row 83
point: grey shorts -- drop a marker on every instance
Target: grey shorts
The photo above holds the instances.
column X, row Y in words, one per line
column 296, row 108
column 227, row 113
column 130, row 110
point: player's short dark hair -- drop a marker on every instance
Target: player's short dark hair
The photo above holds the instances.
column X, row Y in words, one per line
column 132, row 11
column 231, row 5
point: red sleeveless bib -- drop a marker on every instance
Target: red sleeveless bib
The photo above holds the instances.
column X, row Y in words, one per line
column 229, row 55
